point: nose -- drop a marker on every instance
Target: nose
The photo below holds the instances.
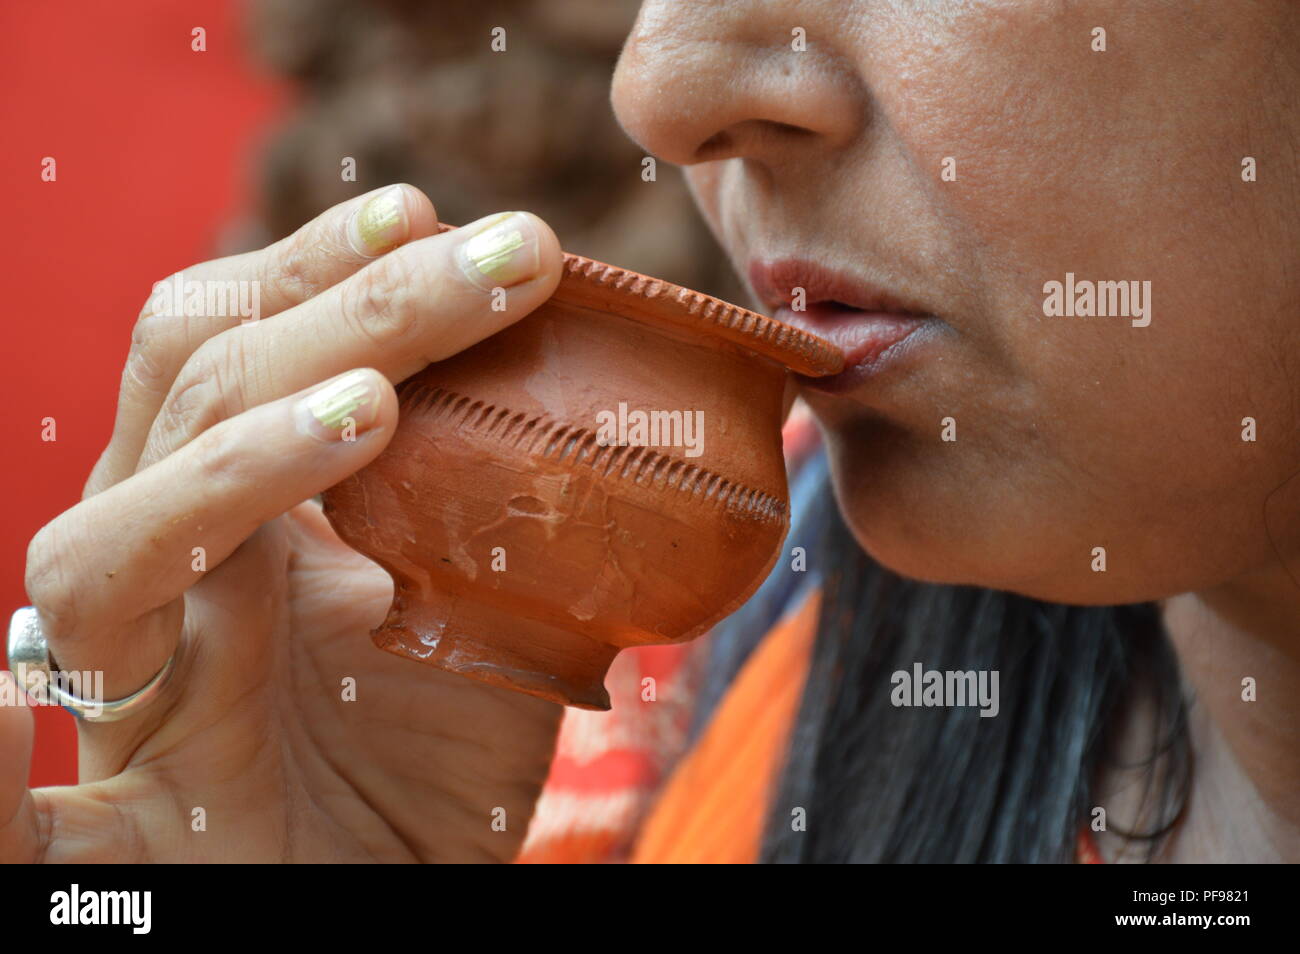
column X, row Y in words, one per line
column 699, row 81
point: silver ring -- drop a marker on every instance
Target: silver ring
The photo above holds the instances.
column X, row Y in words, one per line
column 29, row 653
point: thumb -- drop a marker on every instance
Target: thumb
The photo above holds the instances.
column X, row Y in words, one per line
column 71, row 823
column 20, row 840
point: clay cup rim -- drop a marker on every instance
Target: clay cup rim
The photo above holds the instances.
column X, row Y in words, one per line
column 589, row 283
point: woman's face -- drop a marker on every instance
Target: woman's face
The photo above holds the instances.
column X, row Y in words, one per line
column 832, row 169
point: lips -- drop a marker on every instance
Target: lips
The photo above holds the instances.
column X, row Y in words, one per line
column 869, row 324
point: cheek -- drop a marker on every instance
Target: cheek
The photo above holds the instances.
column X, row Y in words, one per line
column 1072, row 160
column 1076, row 433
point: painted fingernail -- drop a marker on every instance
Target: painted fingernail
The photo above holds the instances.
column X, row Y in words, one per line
column 380, row 224
column 341, row 409
column 499, row 251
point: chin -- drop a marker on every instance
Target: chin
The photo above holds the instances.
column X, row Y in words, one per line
column 921, row 558
column 923, row 538
column 896, row 531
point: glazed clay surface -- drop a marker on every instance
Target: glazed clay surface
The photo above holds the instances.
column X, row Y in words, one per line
column 525, row 548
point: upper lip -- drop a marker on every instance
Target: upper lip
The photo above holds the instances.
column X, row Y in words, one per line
column 774, row 284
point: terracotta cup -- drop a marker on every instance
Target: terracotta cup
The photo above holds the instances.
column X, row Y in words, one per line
column 536, row 517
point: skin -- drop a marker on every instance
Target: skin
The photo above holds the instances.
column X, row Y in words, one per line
column 208, row 450
column 1072, row 433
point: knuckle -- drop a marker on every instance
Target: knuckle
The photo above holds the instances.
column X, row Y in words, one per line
column 223, row 462
column 50, row 580
column 292, row 269
column 195, row 401
column 383, row 300
column 149, row 343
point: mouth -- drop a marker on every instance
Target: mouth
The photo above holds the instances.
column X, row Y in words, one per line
column 873, row 327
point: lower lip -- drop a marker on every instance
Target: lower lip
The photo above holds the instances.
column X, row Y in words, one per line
column 871, row 341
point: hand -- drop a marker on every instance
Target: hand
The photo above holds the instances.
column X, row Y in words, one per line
column 216, row 446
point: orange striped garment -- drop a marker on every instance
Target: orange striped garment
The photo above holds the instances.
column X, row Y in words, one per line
column 611, row 768
column 715, row 805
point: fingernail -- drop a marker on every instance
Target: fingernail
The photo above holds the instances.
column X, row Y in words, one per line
column 380, row 224
column 499, row 251
column 341, row 409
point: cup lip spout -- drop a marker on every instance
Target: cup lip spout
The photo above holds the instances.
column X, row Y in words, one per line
column 602, row 287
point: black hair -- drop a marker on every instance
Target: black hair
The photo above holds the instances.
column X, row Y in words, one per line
column 883, row 783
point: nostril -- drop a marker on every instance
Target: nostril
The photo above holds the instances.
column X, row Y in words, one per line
column 716, row 146
column 750, row 137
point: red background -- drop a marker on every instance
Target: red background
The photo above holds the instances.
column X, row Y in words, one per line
column 155, row 144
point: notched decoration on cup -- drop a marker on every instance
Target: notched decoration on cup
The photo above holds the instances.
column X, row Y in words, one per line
column 611, row 545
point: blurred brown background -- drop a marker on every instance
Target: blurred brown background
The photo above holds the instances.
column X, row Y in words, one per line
column 413, row 91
